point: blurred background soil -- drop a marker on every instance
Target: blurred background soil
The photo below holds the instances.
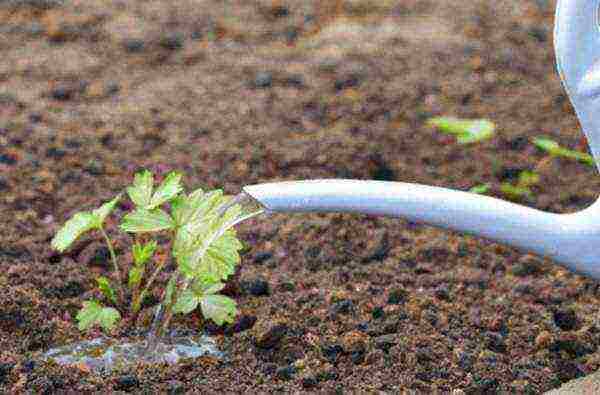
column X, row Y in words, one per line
column 241, row 92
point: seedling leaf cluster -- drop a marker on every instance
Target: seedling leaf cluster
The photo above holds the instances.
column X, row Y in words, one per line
column 203, row 249
column 473, row 131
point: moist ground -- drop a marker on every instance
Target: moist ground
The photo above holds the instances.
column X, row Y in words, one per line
column 239, row 92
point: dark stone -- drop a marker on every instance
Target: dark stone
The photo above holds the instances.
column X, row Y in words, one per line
column 327, row 375
column 539, row 33
column 55, row 152
column 484, row 386
column 172, row 42
column 8, row 159
column 568, row 370
column 5, row 369
column 272, row 337
column 565, row 319
column 442, row 293
column 3, row 184
column 350, row 81
column 126, row 383
column 280, row 11
column 342, row 307
column 385, row 342
column 397, row 296
column 509, row 173
column 332, row 352
column 256, row 287
column 381, row 252
column 261, row 257
column 35, row 117
column 285, row 373
column 357, row 356
column 574, row 348
column 382, row 171
column 309, row 382
column 294, row 80
column 495, row 343
column 262, row 80
column 107, row 140
column 242, row 324
column 65, row 92
column 377, row 313
column 287, row 286
column 133, row 45
column 518, row 143
column 28, row 366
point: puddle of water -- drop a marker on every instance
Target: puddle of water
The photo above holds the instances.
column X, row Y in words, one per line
column 104, row 354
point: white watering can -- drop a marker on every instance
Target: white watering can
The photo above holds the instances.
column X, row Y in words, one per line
column 572, row 240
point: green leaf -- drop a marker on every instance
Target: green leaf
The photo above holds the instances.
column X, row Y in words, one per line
column 93, row 313
column 221, row 257
column 515, row 191
column 135, row 276
column 527, row 178
column 142, row 220
column 553, row 148
column 167, row 190
column 466, row 131
column 218, row 308
column 142, row 253
column 106, row 289
column 546, row 144
column 141, row 190
column 187, row 302
column 77, row 225
column 81, row 223
column 103, row 211
column 170, row 291
column 480, row 189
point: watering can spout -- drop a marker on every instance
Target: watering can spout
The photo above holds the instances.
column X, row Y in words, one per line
column 572, row 240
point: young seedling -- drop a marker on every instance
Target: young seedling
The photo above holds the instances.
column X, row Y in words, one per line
column 203, row 247
column 480, row 189
column 522, row 189
column 555, row 150
column 466, row 131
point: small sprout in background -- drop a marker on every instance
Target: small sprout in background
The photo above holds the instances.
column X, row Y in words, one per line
column 480, row 189
column 554, row 149
column 466, row 131
column 203, row 247
column 522, row 188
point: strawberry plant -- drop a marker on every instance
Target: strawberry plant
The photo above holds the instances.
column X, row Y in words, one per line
column 202, row 247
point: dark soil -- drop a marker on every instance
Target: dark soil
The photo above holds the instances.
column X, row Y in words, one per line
column 239, row 92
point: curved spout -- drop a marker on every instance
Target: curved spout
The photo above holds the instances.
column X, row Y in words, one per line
column 570, row 239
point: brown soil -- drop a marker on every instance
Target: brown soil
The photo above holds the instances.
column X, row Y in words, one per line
column 239, row 92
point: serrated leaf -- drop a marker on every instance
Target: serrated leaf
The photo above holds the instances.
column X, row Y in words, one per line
column 167, row 190
column 221, row 257
column 135, row 276
column 93, row 313
column 142, row 221
column 106, row 289
column 77, row 225
column 218, row 308
column 143, row 252
column 103, row 211
column 141, row 190
column 466, row 131
column 187, row 302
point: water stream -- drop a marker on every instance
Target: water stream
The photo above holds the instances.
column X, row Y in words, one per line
column 160, row 345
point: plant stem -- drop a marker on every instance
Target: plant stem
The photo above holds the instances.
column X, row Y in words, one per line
column 113, row 256
column 116, row 270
